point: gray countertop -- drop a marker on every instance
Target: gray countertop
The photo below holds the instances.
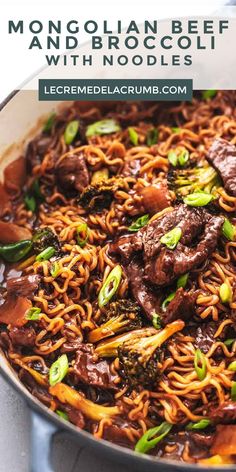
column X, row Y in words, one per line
column 15, row 442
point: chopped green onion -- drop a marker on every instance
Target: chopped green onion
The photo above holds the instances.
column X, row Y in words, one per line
column 182, row 280
column 99, row 176
column 102, row 127
column 82, row 234
column 228, row 230
column 232, row 366
column 173, row 158
column 71, row 131
column 110, row 286
column 156, row 321
column 46, row 254
column 152, row 437
column 14, row 252
column 33, row 313
column 54, row 270
column 133, row 136
column 176, row 130
column 30, row 202
column 208, row 94
column 139, row 223
column 58, row 370
column 62, row 414
column 233, row 391
column 202, row 424
column 171, row 238
column 225, row 292
column 229, row 341
column 152, row 136
column 200, row 364
column 49, row 123
column 198, row 199
column 167, row 301
column 183, row 157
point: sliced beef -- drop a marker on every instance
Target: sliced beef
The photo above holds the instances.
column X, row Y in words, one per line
column 225, row 413
column 91, row 371
column 203, row 335
column 24, row 286
column 181, row 307
column 72, row 172
column 155, row 198
column 118, row 432
column 11, row 233
column 222, row 156
column 24, row 336
column 36, row 150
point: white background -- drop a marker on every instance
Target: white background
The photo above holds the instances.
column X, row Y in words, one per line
column 18, row 63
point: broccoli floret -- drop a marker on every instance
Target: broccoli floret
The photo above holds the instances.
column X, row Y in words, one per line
column 191, row 179
column 96, row 197
column 122, row 315
column 43, row 238
column 139, row 356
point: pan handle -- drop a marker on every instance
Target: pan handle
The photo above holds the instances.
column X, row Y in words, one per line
column 42, row 432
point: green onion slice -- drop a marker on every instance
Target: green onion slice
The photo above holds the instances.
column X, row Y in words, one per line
column 152, row 136
column 33, row 313
column 133, row 136
column 171, row 238
column 46, row 254
column 139, row 223
column 99, row 176
column 208, row 94
column 102, row 127
column 233, row 391
column 229, row 342
column 198, row 199
column 225, row 292
column 182, row 280
column 228, row 230
column 110, row 286
column 173, row 158
column 232, row 366
column 71, row 131
column 54, row 269
column 14, row 252
column 152, row 437
column 167, row 301
column 49, row 123
column 82, row 234
column 176, row 130
column 156, row 321
column 183, row 157
column 62, row 414
column 58, row 370
column 30, row 203
column 202, row 424
column 200, row 364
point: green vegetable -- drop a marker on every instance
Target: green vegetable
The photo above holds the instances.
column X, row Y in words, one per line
column 152, row 437
column 102, row 127
column 208, row 94
column 171, row 238
column 233, row 391
column 133, row 136
column 225, row 292
column 156, row 321
column 33, row 196
column 139, row 223
column 46, row 254
column 228, row 230
column 229, row 341
column 202, row 424
column 82, row 234
column 30, row 203
column 54, row 270
column 71, row 131
column 173, row 158
column 99, row 176
column 183, row 157
column 198, row 199
column 33, row 313
column 176, row 130
column 110, row 286
column 182, row 280
column 14, row 252
column 232, row 366
column 152, row 136
column 200, row 364
column 49, row 123
column 58, row 370
column 63, row 415
column 167, row 301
